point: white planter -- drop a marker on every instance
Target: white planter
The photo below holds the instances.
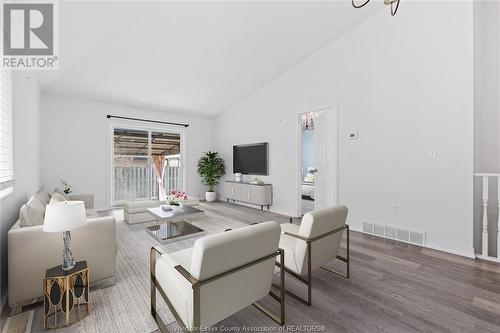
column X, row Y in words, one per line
column 210, row 196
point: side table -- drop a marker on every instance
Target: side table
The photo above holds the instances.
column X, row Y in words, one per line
column 66, row 295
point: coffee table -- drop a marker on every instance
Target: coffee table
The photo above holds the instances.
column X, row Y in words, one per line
column 171, row 225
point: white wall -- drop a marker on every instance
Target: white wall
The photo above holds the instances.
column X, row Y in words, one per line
column 26, row 161
column 405, row 83
column 76, row 147
column 486, row 110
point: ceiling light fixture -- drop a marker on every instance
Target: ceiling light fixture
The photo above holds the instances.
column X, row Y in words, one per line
column 308, row 120
column 393, row 3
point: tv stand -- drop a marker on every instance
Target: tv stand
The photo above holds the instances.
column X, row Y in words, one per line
column 256, row 194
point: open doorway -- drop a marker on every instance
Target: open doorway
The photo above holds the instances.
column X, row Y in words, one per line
column 307, row 168
column 317, row 180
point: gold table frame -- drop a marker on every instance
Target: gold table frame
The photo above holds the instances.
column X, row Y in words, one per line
column 66, row 293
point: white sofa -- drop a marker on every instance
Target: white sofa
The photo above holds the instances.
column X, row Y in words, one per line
column 136, row 211
column 219, row 276
column 31, row 251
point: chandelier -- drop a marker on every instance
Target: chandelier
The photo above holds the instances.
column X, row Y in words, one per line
column 308, row 120
column 393, row 3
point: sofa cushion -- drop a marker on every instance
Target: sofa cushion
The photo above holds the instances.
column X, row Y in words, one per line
column 56, row 197
column 32, row 213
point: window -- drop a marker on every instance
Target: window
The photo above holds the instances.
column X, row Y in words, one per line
column 146, row 163
column 6, row 134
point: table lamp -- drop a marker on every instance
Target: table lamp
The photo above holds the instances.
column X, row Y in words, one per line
column 62, row 217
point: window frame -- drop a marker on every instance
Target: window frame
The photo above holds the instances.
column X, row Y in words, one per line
column 6, row 83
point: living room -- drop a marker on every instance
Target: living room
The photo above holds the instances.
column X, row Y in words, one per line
column 402, row 190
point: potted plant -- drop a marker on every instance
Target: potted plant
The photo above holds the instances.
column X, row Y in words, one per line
column 174, row 199
column 211, row 168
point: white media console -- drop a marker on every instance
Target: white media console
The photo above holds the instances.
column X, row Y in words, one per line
column 257, row 194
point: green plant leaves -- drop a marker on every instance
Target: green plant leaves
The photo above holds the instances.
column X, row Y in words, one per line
column 211, row 168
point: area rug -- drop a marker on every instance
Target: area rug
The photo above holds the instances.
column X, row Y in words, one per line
column 121, row 304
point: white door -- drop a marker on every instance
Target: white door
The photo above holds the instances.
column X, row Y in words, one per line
column 325, row 134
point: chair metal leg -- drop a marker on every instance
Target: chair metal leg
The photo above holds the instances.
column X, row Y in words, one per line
column 307, row 281
column 281, row 298
column 346, row 260
column 309, row 274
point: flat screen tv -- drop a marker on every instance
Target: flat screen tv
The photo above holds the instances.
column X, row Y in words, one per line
column 250, row 159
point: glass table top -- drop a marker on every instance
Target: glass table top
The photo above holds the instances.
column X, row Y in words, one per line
column 174, row 230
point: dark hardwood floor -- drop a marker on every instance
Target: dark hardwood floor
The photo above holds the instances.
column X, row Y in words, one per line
column 394, row 287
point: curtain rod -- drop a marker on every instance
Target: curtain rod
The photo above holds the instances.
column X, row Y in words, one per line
column 147, row 120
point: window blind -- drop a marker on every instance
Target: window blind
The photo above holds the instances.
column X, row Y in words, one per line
column 6, row 131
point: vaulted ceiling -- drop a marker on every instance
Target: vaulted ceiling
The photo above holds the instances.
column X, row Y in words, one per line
column 193, row 57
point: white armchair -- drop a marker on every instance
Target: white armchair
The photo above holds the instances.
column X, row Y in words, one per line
column 313, row 243
column 219, row 276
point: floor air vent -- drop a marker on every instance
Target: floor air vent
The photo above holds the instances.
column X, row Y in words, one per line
column 391, row 232
column 368, row 228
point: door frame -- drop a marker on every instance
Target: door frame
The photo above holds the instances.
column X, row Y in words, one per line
column 141, row 126
column 298, row 161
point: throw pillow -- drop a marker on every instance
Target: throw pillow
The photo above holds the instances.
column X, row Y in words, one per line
column 56, row 197
column 24, row 218
column 39, row 196
column 44, row 194
column 58, row 190
column 32, row 213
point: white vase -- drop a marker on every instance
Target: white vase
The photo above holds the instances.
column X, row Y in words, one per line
column 210, row 196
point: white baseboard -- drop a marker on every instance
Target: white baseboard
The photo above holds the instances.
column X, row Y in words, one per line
column 488, row 258
column 468, row 253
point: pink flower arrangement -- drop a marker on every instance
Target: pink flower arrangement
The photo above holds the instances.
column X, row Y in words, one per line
column 175, row 196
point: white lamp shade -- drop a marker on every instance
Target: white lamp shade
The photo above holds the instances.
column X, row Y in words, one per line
column 64, row 216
